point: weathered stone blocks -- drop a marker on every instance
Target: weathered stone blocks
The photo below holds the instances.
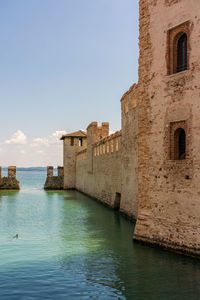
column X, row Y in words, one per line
column 54, row 182
column 10, row 182
column 168, row 191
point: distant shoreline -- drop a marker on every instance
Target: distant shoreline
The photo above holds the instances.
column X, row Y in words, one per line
column 28, row 169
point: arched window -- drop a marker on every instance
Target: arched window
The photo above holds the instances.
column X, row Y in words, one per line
column 178, row 49
column 182, row 53
column 179, row 144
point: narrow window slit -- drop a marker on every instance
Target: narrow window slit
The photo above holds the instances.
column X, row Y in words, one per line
column 80, row 142
column 72, row 141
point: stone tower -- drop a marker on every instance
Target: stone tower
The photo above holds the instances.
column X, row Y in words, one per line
column 169, row 124
column 72, row 144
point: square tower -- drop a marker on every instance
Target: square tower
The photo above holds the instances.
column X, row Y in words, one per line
column 169, row 124
column 72, row 144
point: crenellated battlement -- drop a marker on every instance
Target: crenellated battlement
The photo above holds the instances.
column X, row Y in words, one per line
column 54, row 182
column 95, row 132
column 109, row 138
column 50, row 170
column 108, row 145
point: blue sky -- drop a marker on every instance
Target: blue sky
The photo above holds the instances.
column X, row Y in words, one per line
column 64, row 63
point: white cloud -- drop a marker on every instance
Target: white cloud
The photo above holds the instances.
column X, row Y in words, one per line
column 17, row 138
column 40, row 151
column 22, row 151
column 40, row 142
column 54, row 139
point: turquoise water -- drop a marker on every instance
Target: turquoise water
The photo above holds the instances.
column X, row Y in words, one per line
column 71, row 247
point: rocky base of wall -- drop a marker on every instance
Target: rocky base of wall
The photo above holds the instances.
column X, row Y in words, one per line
column 9, row 183
column 168, row 245
column 54, row 183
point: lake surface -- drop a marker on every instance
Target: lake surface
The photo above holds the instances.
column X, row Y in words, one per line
column 72, row 247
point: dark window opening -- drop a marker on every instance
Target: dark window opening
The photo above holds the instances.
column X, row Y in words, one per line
column 117, row 201
column 80, row 142
column 180, row 144
column 182, row 53
column 72, row 141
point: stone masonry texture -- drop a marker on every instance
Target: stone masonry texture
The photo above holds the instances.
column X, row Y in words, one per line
column 54, row 182
column 169, row 190
column 10, row 182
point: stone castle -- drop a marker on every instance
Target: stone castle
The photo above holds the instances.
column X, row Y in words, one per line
column 150, row 170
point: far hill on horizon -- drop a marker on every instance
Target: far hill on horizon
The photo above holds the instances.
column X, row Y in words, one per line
column 28, row 168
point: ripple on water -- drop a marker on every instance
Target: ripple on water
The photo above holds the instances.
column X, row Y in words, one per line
column 71, row 247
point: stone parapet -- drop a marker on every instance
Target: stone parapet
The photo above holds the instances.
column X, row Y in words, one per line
column 54, row 182
column 108, row 145
column 10, row 182
column 108, row 138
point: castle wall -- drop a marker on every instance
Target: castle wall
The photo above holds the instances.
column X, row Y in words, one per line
column 129, row 153
column 103, row 180
column 169, row 209
column 107, row 169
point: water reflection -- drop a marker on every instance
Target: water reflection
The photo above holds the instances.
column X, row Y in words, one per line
column 71, row 247
column 86, row 252
column 10, row 194
column 133, row 270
